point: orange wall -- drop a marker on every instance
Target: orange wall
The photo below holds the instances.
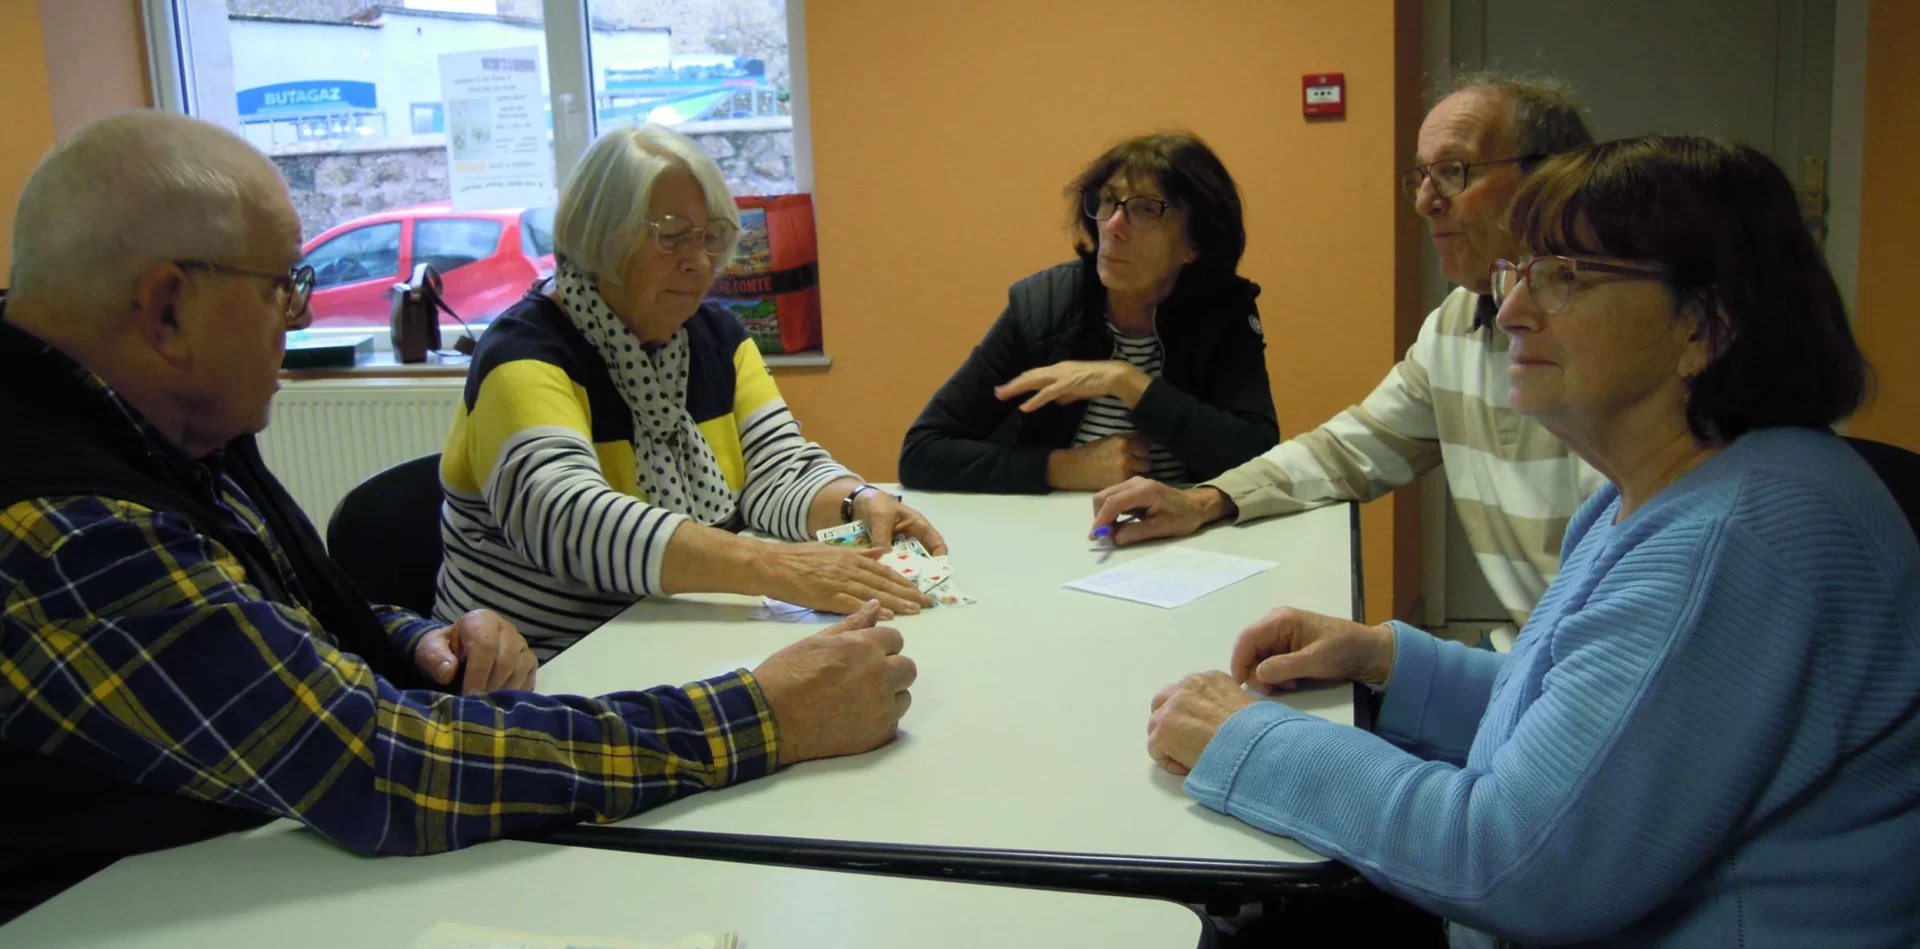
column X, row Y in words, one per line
column 1889, row 206
column 90, row 78
column 62, row 63
column 26, row 112
column 944, row 133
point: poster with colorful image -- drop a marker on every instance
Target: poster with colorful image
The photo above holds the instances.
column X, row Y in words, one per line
column 497, row 151
column 470, row 128
column 753, row 256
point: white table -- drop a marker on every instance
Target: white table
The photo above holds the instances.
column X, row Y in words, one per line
column 283, row 887
column 1028, row 725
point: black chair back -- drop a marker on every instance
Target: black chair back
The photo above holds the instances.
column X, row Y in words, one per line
column 386, row 534
column 1899, row 470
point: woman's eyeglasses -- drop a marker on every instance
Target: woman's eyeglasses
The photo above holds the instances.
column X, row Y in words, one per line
column 1552, row 279
column 673, row 235
column 1141, row 211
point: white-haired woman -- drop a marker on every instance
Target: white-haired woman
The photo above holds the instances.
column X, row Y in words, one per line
column 616, row 430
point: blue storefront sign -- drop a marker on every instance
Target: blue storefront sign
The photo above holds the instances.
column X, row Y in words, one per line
column 312, row 97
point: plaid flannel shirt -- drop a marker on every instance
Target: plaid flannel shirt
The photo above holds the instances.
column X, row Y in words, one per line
column 133, row 645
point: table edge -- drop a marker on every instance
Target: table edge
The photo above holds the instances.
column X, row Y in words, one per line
column 1185, row 879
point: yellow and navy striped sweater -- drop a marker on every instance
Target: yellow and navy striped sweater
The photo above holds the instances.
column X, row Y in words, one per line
column 543, row 522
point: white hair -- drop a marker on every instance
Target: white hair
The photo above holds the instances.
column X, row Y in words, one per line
column 602, row 216
column 125, row 193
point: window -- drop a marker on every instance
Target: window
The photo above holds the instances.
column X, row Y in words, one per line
column 453, row 243
column 414, row 119
column 428, row 118
column 361, row 254
column 536, row 232
column 726, row 83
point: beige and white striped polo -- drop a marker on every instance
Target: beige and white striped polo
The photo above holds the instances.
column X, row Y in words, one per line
column 1514, row 484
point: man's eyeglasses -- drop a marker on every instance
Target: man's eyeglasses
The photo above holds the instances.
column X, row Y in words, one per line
column 1449, row 175
column 1141, row 211
column 673, row 235
column 293, row 289
column 1553, row 279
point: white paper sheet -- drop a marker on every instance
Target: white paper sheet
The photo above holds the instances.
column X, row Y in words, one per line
column 1173, row 577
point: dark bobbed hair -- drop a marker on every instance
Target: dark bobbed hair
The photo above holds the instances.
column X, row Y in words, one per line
column 1191, row 177
column 1724, row 224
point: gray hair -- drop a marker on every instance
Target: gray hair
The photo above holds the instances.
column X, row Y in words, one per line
column 602, row 216
column 1543, row 118
column 125, row 193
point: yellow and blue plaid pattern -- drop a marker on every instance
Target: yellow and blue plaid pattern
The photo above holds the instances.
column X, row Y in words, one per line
column 134, row 646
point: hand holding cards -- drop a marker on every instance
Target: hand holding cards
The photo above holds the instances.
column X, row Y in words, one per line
column 909, row 558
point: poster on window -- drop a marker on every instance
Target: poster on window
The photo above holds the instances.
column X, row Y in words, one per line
column 497, row 151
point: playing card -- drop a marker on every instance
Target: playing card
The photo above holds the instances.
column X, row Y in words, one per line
column 947, row 593
column 937, row 571
column 846, row 535
column 911, row 545
column 904, row 563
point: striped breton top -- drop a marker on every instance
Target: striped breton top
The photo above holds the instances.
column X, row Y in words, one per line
column 543, row 522
column 1514, row 484
column 1107, row 415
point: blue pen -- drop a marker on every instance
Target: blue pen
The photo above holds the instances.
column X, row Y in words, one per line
column 1103, row 535
column 1103, row 541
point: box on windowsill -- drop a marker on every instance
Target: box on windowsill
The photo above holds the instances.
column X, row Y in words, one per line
column 327, row 352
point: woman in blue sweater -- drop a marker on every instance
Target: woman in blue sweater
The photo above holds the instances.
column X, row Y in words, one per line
column 1708, row 733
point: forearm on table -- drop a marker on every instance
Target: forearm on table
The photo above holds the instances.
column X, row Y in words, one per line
column 1338, row 461
column 702, row 559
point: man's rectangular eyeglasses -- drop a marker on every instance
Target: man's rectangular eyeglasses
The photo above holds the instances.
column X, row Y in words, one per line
column 1449, row 175
column 293, row 288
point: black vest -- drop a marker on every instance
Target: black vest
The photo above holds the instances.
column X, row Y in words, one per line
column 59, row 822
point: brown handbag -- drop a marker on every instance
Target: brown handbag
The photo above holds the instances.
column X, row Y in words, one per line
column 417, row 305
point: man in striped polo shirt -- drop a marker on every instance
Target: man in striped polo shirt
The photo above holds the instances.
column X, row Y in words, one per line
column 1513, row 483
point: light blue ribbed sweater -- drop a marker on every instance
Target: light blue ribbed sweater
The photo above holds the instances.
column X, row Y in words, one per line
column 1708, row 734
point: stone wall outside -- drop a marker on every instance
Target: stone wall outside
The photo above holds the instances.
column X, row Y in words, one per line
column 332, row 185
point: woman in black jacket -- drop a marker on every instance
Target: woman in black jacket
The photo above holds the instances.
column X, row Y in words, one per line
column 1143, row 357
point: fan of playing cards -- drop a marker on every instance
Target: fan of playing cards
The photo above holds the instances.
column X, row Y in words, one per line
column 933, row 575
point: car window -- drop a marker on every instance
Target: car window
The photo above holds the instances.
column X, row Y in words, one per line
column 451, row 243
column 536, row 232
column 366, row 253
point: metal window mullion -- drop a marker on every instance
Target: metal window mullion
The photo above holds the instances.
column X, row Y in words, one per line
column 797, row 103
column 570, row 82
column 167, row 57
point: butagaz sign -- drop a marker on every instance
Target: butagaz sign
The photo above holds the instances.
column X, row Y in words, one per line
column 313, row 97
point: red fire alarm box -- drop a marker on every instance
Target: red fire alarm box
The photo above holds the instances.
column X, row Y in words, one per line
column 1323, row 94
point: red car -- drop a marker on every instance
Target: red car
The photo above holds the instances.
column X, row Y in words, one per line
column 488, row 259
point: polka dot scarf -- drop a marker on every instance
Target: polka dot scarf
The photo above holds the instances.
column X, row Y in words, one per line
column 673, row 464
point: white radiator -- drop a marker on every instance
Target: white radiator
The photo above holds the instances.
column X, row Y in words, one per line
column 327, row 436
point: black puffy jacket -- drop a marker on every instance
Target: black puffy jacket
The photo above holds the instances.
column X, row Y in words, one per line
column 1211, row 406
